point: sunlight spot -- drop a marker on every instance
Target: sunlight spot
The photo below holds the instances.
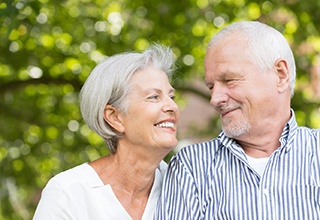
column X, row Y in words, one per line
column 34, row 72
column 218, row 21
column 85, row 47
column 188, row 60
column 97, row 57
column 14, row 46
column 73, row 125
column 101, row 26
column 116, row 23
column 42, row 18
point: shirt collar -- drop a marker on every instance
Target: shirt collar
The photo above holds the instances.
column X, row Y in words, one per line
column 231, row 144
column 289, row 131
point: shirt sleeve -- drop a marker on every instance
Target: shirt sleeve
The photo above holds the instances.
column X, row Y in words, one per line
column 179, row 196
column 54, row 203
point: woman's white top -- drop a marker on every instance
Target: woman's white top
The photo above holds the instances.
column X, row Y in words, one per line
column 80, row 194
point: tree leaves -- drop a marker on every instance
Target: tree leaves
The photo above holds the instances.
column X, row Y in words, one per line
column 48, row 48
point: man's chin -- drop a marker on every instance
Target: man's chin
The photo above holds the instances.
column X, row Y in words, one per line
column 235, row 131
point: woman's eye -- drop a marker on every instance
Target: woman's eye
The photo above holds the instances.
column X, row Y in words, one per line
column 173, row 97
column 153, row 97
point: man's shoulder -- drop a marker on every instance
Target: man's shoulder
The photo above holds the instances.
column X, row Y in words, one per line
column 206, row 149
column 209, row 145
column 306, row 131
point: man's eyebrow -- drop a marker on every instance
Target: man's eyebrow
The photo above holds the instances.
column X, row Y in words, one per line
column 223, row 76
column 229, row 74
column 220, row 77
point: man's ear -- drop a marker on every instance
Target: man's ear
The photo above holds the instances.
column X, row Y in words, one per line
column 283, row 75
column 113, row 118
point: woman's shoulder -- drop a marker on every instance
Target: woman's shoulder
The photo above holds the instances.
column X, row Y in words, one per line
column 82, row 173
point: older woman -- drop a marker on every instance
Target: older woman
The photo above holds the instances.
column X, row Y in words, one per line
column 129, row 102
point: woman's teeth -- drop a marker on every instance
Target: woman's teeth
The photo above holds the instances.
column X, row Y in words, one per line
column 165, row 125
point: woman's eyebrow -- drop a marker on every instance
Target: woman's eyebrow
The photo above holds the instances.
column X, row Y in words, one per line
column 159, row 90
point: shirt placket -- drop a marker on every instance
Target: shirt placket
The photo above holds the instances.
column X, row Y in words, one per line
column 265, row 198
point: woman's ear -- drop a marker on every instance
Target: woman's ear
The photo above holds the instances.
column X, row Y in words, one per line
column 283, row 75
column 113, row 118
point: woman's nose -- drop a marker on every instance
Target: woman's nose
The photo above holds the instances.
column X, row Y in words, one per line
column 171, row 105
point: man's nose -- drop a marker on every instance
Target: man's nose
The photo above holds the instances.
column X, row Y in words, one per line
column 219, row 96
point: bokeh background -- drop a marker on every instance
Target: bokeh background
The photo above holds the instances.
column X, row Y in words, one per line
column 48, row 48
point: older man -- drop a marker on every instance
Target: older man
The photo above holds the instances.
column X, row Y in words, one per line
column 262, row 165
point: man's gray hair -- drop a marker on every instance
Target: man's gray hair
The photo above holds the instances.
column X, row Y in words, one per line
column 264, row 45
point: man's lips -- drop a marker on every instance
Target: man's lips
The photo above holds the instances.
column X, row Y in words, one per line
column 227, row 111
column 224, row 113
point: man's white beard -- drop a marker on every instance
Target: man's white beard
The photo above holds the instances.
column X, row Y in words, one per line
column 235, row 129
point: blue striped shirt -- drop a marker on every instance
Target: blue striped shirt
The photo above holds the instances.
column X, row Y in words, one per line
column 213, row 180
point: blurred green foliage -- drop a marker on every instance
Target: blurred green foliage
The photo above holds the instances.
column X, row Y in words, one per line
column 48, row 48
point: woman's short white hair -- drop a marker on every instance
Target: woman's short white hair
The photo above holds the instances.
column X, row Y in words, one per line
column 109, row 83
column 264, row 45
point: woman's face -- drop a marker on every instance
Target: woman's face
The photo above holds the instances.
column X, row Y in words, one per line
column 152, row 115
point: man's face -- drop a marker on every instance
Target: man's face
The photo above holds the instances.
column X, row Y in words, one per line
column 241, row 92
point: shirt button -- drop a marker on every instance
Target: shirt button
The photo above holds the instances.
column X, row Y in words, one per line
column 265, row 192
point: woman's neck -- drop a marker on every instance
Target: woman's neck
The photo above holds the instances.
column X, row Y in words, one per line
column 130, row 178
